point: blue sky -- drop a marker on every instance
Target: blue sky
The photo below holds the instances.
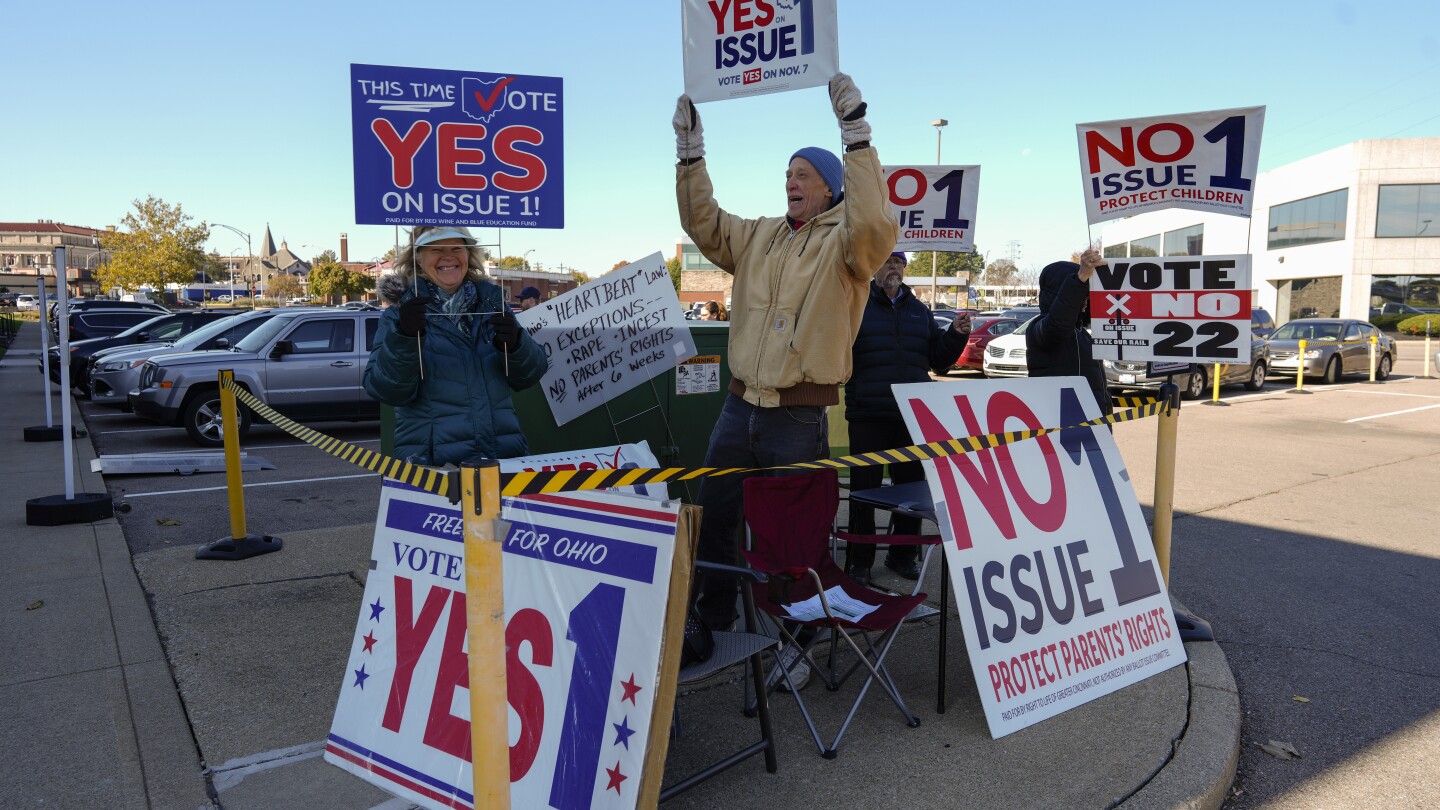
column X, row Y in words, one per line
column 241, row 112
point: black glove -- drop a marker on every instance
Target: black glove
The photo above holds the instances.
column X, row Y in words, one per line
column 412, row 316
column 507, row 331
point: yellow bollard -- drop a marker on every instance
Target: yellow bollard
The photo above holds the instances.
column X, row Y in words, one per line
column 239, row 545
column 1425, row 361
column 1373, row 340
column 1299, row 371
column 485, row 634
column 1166, row 436
column 1215, row 388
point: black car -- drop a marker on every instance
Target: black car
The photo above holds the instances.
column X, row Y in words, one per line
column 150, row 328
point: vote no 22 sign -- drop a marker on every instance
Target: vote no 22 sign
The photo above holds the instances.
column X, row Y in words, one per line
column 1190, row 309
column 586, row 578
column 936, row 206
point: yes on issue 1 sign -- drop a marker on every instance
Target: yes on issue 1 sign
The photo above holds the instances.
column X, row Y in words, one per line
column 936, row 206
column 737, row 48
column 1054, row 571
column 1190, row 309
column 586, row 579
column 1205, row 161
column 448, row 147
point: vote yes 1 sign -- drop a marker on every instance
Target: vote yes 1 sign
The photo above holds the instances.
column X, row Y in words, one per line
column 448, row 147
column 1205, row 161
column 736, row 48
column 1192, row 309
column 936, row 206
column 586, row 582
column 1054, row 573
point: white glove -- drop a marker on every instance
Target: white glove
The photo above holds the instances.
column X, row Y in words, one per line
column 689, row 134
column 849, row 110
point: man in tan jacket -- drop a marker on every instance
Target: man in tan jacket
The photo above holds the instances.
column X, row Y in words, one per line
column 801, row 282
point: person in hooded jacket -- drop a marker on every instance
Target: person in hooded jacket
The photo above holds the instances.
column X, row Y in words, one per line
column 899, row 342
column 1057, row 343
column 801, row 282
column 450, row 319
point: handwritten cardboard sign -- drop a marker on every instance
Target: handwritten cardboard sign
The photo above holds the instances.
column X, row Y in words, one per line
column 608, row 336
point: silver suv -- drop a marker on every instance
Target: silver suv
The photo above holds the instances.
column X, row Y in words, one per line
column 308, row 364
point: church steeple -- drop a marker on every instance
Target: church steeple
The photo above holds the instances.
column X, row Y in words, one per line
column 267, row 245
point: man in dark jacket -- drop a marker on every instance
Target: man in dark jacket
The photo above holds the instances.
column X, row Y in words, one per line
column 1057, row 343
column 899, row 342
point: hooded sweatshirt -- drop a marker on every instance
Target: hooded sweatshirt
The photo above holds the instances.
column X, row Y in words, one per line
column 1056, row 344
column 799, row 293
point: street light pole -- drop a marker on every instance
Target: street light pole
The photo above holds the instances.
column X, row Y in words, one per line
column 525, row 257
column 939, row 124
column 249, row 260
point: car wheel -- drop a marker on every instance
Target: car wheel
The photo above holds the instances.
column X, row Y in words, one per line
column 1382, row 371
column 1195, row 386
column 1332, row 371
column 1257, row 377
column 203, row 422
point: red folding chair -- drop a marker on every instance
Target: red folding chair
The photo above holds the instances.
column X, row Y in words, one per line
column 789, row 523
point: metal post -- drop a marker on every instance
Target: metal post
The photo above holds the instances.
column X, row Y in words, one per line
column 1425, row 361
column 1373, row 340
column 239, row 545
column 1192, row 628
column 62, row 310
column 1299, row 371
column 45, row 348
column 939, row 124
column 485, row 634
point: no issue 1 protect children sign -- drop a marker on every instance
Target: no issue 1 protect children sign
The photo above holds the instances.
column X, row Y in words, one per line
column 449, row 147
column 1204, row 161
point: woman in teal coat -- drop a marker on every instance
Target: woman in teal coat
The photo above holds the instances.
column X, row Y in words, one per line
column 452, row 320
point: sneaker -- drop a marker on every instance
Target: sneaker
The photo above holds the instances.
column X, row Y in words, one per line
column 799, row 675
column 904, row 568
column 860, row 574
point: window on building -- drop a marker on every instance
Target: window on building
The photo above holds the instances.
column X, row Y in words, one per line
column 1404, row 295
column 1185, row 241
column 1306, row 222
column 1115, row 251
column 1148, row 246
column 1310, row 298
column 692, row 259
column 1411, row 210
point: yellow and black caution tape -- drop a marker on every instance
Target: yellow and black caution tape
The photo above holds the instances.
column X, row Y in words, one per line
column 438, row 481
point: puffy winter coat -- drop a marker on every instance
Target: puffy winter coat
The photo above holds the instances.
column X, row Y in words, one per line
column 899, row 342
column 462, row 410
column 1056, row 344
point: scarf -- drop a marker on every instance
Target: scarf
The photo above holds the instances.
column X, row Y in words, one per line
column 461, row 302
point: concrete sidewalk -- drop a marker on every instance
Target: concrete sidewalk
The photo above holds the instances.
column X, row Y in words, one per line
column 257, row 650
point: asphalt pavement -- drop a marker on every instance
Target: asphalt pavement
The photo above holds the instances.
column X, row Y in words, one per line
column 151, row 679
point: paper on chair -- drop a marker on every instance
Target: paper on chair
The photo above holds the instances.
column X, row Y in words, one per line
column 841, row 605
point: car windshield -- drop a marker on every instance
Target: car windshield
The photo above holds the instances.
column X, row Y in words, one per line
column 218, row 327
column 141, row 327
column 1299, row 330
column 255, row 341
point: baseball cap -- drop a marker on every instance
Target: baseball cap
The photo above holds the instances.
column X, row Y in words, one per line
column 528, row 292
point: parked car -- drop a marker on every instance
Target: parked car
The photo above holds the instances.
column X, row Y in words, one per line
column 367, row 304
column 308, row 364
column 87, row 304
column 94, row 323
column 26, row 302
column 115, row 372
column 982, row 332
column 1121, row 375
column 1020, row 313
column 7, row 299
column 1262, row 324
column 297, row 301
column 1334, row 347
column 1005, row 356
column 155, row 328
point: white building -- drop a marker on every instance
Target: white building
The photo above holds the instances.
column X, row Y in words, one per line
column 1332, row 235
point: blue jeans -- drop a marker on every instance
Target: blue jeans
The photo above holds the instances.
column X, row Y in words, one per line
column 745, row 436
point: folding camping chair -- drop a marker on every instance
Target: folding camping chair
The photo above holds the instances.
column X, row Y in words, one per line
column 733, row 648
column 789, row 524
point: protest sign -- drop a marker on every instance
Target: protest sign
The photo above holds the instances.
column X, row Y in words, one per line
column 616, row 457
column 587, row 578
column 608, row 336
column 449, row 147
column 1055, row 576
column 1206, row 161
column 936, row 206
column 737, row 48
column 1194, row 309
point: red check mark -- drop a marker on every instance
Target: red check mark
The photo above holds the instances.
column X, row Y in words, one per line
column 486, row 102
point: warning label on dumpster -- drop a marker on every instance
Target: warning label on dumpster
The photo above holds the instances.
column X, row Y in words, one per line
column 698, row 375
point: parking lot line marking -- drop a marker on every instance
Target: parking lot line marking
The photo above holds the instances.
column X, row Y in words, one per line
column 246, row 486
column 138, row 430
column 1391, row 393
column 1392, row 413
